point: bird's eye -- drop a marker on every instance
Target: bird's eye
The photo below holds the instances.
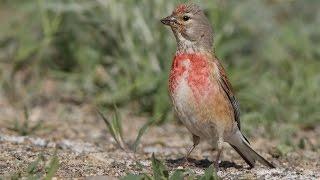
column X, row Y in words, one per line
column 186, row 18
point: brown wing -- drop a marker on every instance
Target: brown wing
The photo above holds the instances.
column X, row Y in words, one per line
column 224, row 82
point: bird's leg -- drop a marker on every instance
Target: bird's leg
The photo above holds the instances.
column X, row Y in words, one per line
column 220, row 149
column 196, row 141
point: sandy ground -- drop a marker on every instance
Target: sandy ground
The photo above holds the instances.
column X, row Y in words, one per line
column 85, row 148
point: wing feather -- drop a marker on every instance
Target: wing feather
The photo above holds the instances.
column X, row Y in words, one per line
column 225, row 84
column 227, row 88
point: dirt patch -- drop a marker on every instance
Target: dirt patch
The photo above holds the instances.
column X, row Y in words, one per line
column 85, row 149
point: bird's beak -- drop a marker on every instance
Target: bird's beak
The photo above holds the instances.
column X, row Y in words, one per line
column 170, row 20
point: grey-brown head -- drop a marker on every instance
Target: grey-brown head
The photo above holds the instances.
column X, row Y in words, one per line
column 191, row 28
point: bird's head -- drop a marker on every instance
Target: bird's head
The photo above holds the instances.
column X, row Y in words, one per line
column 191, row 27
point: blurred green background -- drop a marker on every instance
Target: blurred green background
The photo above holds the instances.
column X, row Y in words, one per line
column 107, row 52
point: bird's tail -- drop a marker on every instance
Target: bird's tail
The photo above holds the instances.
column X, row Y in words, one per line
column 241, row 145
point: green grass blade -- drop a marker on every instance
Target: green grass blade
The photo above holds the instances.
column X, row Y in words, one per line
column 159, row 170
column 177, row 175
column 210, row 174
column 142, row 130
column 132, row 177
column 112, row 130
column 53, row 167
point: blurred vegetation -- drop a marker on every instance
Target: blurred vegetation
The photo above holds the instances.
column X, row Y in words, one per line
column 117, row 53
column 115, row 127
column 41, row 168
column 24, row 127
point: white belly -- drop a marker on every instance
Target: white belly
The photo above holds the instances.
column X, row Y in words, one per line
column 187, row 110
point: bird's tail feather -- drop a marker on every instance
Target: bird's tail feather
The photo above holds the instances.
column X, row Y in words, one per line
column 239, row 143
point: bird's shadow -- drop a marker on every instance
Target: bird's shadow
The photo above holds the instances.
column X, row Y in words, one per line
column 202, row 163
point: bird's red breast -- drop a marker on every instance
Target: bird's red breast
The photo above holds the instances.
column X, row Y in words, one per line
column 195, row 69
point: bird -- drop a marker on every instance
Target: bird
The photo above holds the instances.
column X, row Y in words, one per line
column 201, row 94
